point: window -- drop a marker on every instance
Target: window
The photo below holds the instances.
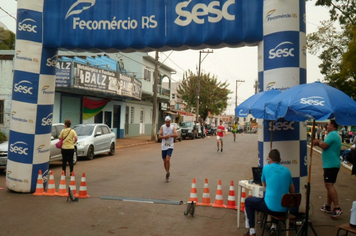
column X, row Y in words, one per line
column 147, row 75
column 132, row 115
column 105, row 130
column 2, row 111
column 173, row 96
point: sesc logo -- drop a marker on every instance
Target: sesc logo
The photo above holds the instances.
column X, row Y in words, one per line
column 315, row 100
column 214, row 12
column 83, row 5
column 19, row 148
column 28, row 25
column 241, row 113
column 51, row 62
column 24, row 86
column 47, row 120
column 282, row 50
column 281, row 126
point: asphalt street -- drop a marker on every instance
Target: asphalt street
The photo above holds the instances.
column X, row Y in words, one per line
column 137, row 173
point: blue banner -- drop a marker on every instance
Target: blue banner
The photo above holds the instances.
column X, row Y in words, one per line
column 151, row 24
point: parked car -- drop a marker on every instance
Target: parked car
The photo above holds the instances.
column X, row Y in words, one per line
column 94, row 139
column 190, row 129
column 55, row 153
column 179, row 131
column 211, row 130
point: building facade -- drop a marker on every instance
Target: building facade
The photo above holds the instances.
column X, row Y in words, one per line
column 115, row 89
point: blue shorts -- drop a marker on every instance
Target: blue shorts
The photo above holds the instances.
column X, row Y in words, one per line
column 166, row 153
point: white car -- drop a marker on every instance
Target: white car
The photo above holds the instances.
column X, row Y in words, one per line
column 55, row 153
column 94, row 139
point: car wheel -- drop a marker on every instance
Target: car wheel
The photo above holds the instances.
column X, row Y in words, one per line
column 90, row 154
column 75, row 157
column 193, row 136
column 180, row 139
column 112, row 149
column 184, row 137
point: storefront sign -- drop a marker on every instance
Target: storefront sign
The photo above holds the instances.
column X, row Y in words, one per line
column 63, row 73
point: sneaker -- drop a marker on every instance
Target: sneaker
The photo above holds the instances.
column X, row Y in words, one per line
column 168, row 175
column 248, row 234
column 325, row 208
column 337, row 212
column 221, row 150
column 218, row 150
column 272, row 232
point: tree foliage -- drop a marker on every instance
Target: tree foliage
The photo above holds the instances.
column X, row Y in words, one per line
column 213, row 93
column 7, row 39
column 337, row 48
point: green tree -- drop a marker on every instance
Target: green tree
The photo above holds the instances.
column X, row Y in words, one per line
column 337, row 48
column 7, row 39
column 213, row 93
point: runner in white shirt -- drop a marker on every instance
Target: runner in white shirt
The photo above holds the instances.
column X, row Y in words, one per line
column 167, row 133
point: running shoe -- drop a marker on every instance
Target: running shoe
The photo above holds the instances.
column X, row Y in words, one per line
column 168, row 175
column 272, row 232
column 221, row 150
column 337, row 212
column 248, row 234
column 325, row 208
column 218, row 150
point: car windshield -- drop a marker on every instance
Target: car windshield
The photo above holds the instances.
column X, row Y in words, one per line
column 186, row 124
column 83, row 130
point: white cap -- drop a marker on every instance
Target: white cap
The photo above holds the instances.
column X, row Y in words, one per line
column 167, row 118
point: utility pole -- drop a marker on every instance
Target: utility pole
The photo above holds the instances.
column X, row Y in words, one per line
column 236, row 95
column 198, row 89
column 154, row 113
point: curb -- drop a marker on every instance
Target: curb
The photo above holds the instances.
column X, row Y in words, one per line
column 133, row 145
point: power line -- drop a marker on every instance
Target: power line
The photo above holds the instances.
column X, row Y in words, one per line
column 7, row 13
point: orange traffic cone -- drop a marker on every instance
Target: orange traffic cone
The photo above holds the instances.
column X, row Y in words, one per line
column 62, row 190
column 83, row 188
column 206, row 195
column 39, row 186
column 243, row 197
column 51, row 189
column 72, row 185
column 231, row 202
column 193, row 192
column 219, row 202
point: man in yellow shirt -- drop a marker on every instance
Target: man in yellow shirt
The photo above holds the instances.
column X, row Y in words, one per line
column 234, row 130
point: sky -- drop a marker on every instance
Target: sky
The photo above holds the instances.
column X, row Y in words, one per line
column 227, row 64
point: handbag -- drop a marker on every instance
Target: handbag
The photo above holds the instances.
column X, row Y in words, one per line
column 60, row 142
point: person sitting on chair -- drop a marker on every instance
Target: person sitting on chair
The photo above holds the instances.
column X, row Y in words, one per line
column 277, row 180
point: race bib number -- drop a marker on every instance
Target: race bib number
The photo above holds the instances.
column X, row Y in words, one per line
column 219, row 130
column 167, row 144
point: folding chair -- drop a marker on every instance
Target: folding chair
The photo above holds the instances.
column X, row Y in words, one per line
column 289, row 200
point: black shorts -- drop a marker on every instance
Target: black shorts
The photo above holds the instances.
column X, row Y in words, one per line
column 330, row 174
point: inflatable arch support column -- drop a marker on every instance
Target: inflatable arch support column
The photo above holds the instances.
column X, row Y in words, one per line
column 281, row 65
column 32, row 100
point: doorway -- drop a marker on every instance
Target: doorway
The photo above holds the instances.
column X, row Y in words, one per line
column 142, row 124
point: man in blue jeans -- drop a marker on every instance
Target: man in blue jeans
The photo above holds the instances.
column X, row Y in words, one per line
column 277, row 180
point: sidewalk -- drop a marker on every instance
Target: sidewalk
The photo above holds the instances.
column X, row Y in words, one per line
column 133, row 141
